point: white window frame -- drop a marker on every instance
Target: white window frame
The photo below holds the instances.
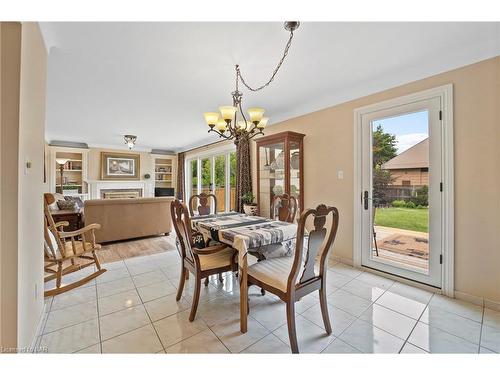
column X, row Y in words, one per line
column 225, row 150
column 445, row 93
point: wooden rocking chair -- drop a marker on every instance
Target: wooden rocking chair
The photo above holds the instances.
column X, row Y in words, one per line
column 60, row 248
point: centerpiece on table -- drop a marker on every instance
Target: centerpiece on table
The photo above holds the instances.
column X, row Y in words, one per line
column 249, row 206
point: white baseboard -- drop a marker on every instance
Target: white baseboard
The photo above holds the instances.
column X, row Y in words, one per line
column 475, row 300
column 347, row 261
column 490, row 304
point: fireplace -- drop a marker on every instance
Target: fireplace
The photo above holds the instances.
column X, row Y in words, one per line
column 120, row 193
column 131, row 189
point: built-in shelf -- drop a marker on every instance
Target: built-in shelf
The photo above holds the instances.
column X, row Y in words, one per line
column 164, row 169
column 74, row 172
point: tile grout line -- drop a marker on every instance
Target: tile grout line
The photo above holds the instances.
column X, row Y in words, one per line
column 481, row 332
column 98, row 319
column 418, row 321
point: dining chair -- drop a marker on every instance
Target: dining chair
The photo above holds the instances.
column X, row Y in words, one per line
column 291, row 278
column 67, row 252
column 204, row 206
column 284, row 208
column 202, row 263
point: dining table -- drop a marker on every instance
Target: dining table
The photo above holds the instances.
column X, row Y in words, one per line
column 245, row 234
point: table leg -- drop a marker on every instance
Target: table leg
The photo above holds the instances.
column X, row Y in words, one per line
column 243, row 298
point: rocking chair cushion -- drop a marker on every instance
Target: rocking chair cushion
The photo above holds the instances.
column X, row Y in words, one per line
column 216, row 260
column 53, row 241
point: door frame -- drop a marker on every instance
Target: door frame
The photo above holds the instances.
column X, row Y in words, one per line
column 445, row 93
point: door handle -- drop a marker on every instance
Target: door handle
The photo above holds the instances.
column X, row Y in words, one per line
column 365, row 199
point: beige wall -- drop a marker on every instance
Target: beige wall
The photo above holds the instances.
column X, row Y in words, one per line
column 23, row 72
column 94, row 162
column 10, row 58
column 328, row 147
column 31, row 185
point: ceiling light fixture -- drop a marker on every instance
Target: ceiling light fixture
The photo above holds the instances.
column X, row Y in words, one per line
column 226, row 123
column 130, row 141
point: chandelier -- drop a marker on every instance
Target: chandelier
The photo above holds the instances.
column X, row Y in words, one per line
column 226, row 123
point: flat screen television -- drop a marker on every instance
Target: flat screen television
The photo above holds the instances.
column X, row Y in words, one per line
column 164, row 192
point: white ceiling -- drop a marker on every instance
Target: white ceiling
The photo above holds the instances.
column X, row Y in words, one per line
column 155, row 80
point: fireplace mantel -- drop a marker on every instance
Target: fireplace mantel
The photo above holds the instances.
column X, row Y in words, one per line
column 95, row 186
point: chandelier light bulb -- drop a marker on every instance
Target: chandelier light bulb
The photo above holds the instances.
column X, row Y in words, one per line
column 263, row 122
column 211, row 118
column 221, row 125
column 256, row 114
column 227, row 112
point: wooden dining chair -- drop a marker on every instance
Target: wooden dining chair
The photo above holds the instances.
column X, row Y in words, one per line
column 202, row 263
column 291, row 278
column 284, row 208
column 203, row 204
column 67, row 252
column 203, row 207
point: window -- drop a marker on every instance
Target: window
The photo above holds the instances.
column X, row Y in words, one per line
column 406, row 183
column 213, row 174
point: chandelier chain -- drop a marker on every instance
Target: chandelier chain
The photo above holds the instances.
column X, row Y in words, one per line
column 285, row 53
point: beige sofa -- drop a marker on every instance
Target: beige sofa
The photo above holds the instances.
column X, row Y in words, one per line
column 122, row 219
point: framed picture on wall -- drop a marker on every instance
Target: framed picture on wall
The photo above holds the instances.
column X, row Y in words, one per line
column 116, row 166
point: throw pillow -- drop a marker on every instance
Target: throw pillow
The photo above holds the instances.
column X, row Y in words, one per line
column 66, row 205
column 78, row 201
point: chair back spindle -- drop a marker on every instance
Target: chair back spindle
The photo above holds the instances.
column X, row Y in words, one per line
column 182, row 227
column 321, row 238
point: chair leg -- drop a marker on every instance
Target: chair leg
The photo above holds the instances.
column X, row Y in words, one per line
column 324, row 310
column 292, row 332
column 96, row 261
column 220, row 277
column 182, row 280
column 196, row 297
column 206, row 281
column 59, row 275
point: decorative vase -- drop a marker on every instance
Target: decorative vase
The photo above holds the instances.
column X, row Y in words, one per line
column 250, row 209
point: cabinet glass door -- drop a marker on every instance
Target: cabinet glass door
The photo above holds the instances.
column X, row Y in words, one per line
column 271, row 175
column 295, row 173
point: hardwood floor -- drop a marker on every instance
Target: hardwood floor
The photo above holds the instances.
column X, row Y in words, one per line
column 121, row 250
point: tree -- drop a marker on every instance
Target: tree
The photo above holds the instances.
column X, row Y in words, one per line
column 384, row 149
column 384, row 146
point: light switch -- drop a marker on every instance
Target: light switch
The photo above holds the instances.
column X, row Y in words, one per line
column 340, row 175
column 27, row 166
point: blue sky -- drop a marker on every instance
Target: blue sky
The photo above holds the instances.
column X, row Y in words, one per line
column 409, row 129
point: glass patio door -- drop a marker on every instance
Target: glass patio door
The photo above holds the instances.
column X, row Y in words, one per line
column 213, row 174
column 401, row 191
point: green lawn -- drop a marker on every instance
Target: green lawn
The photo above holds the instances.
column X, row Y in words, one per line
column 404, row 218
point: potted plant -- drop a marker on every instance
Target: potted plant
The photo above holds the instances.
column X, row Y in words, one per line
column 249, row 206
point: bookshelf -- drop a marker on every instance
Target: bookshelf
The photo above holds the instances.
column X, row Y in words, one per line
column 74, row 172
column 164, row 171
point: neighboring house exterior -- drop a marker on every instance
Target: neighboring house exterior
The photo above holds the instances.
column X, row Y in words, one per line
column 409, row 170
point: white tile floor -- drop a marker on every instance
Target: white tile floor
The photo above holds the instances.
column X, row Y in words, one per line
column 132, row 309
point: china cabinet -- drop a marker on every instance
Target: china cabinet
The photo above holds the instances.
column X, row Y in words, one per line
column 280, row 169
